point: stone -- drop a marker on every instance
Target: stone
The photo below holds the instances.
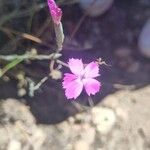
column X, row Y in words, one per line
column 88, row 134
column 111, row 101
column 94, row 9
column 104, row 119
column 14, row 145
column 120, row 122
column 144, row 40
column 20, row 112
column 18, row 127
column 81, row 145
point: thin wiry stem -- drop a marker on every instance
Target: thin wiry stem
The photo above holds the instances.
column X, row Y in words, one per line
column 33, row 87
column 62, row 63
column 30, row 56
column 91, row 103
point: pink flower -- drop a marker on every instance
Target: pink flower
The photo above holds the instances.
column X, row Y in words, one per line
column 81, row 77
column 55, row 11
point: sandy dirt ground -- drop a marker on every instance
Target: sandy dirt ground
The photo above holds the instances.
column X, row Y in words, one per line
column 119, row 119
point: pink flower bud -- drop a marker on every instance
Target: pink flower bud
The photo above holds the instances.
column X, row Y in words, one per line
column 55, row 11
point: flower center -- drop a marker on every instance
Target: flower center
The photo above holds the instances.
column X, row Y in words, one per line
column 82, row 76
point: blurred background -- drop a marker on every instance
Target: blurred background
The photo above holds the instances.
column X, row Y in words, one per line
column 31, row 118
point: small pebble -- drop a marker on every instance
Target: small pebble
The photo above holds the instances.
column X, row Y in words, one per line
column 95, row 8
column 56, row 74
column 104, row 119
column 14, row 145
column 21, row 92
column 144, row 40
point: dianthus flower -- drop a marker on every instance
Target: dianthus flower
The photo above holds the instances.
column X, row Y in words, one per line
column 55, row 11
column 82, row 77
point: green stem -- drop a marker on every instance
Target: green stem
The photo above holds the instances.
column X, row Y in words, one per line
column 10, row 66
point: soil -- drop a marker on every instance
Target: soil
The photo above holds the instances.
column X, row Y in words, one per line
column 49, row 121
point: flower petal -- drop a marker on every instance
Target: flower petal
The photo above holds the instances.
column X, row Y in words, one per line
column 73, row 89
column 91, row 70
column 76, row 66
column 68, row 78
column 92, row 86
